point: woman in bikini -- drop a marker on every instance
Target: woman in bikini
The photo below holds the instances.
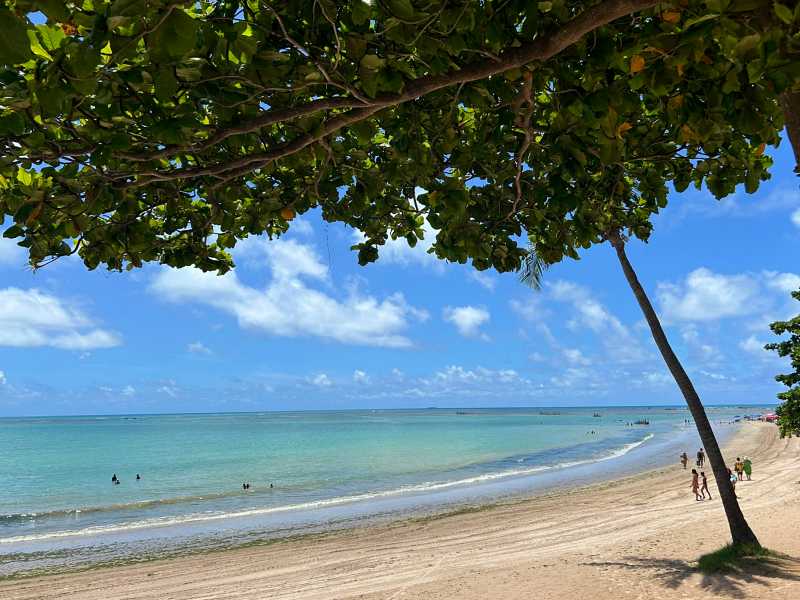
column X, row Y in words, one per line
column 696, row 486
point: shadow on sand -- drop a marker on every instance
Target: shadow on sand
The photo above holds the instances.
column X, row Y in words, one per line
column 741, row 582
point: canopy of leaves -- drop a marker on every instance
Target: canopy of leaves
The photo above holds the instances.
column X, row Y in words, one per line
column 789, row 410
column 156, row 130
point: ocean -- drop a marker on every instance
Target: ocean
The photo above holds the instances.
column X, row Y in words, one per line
column 308, row 471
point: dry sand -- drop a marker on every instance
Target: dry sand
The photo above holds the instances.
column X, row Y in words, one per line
column 633, row 538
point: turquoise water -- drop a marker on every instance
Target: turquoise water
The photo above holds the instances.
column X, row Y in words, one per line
column 56, row 491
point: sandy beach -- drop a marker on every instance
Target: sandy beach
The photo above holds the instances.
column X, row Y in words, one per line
column 634, row 538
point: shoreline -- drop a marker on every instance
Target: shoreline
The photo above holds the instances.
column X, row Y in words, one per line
column 81, row 550
column 614, row 504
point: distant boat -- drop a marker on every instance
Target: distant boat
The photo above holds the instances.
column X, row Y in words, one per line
column 642, row 422
column 597, row 415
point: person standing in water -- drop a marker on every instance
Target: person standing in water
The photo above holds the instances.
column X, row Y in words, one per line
column 704, row 486
column 748, row 467
column 696, row 486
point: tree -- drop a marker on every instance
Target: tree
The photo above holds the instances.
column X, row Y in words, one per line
column 134, row 131
column 166, row 130
column 591, row 164
column 789, row 410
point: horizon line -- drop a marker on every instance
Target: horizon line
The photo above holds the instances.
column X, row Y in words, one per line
column 423, row 408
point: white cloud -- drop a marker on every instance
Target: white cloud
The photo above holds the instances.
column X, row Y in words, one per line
column 782, row 282
column 716, row 376
column 700, row 347
column 753, row 345
column 128, row 390
column 739, row 206
column 199, row 348
column 467, row 319
column 170, row 390
column 657, row 377
column 590, row 314
column 3, row 379
column 458, row 374
column 30, row 318
column 360, row 376
column 575, row 357
column 796, row 217
column 707, row 296
column 572, row 377
column 301, row 227
column 483, row 278
column 10, row 253
column 321, row 380
column 289, row 306
column 398, row 251
column 531, row 309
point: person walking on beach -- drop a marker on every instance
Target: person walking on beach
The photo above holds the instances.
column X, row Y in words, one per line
column 704, row 486
column 701, row 458
column 696, row 486
column 684, row 460
column 748, row 467
column 733, row 479
column 738, row 466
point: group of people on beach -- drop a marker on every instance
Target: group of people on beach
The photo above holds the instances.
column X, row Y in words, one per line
column 741, row 469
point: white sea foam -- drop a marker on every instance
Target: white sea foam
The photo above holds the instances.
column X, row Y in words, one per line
column 317, row 504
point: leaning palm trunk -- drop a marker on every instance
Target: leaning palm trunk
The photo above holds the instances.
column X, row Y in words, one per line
column 740, row 530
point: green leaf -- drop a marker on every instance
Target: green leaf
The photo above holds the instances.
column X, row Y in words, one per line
column 165, row 84
column 13, row 124
column 403, row 9
column 747, row 5
column 701, row 19
column 24, row 177
column 127, row 8
column 784, row 13
column 372, row 62
column 51, row 36
column 176, row 36
column 747, row 43
column 36, row 45
column 14, row 43
column 13, row 232
column 55, row 10
column 361, row 12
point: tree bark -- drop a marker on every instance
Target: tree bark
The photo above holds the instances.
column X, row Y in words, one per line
column 790, row 103
column 740, row 530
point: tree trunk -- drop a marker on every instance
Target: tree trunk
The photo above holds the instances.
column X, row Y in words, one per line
column 790, row 103
column 740, row 530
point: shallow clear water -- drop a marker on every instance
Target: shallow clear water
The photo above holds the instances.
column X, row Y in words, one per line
column 55, row 473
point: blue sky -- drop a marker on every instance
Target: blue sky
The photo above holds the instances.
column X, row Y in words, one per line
column 299, row 325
